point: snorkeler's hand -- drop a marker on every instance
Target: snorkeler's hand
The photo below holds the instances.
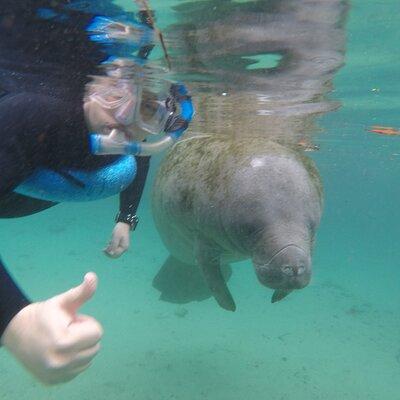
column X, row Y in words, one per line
column 119, row 242
column 51, row 339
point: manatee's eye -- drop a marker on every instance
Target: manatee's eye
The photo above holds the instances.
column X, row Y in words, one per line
column 251, row 230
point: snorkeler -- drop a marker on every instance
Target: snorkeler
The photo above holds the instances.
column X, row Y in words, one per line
column 68, row 132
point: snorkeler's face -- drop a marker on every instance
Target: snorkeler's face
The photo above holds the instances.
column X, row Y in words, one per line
column 103, row 120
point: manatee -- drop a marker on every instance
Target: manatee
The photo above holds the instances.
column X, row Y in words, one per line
column 218, row 199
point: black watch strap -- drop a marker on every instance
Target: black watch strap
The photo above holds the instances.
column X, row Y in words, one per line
column 131, row 219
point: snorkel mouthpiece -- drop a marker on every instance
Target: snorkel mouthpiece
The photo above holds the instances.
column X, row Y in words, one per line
column 176, row 125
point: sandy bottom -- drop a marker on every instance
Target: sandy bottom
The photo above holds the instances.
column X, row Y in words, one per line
column 336, row 339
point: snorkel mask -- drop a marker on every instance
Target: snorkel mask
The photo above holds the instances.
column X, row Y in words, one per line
column 135, row 108
column 123, row 94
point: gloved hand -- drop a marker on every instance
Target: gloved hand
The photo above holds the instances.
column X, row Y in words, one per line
column 119, row 242
column 51, row 339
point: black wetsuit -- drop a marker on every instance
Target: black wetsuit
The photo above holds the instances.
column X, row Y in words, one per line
column 45, row 64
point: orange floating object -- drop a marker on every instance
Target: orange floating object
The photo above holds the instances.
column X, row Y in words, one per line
column 384, row 130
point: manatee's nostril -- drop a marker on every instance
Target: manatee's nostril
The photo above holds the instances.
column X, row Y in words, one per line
column 301, row 269
column 288, row 270
column 293, row 270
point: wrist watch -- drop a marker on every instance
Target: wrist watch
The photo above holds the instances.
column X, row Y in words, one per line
column 131, row 219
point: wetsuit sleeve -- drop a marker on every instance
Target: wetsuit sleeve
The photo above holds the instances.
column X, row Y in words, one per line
column 26, row 120
column 13, row 170
column 22, row 123
column 13, row 165
column 12, row 299
column 130, row 197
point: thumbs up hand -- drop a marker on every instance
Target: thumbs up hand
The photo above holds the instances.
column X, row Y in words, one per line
column 51, row 339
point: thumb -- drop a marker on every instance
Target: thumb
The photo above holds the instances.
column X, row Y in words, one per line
column 74, row 298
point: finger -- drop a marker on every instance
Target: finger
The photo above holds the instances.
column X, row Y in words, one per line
column 114, row 241
column 112, row 245
column 84, row 335
column 119, row 250
column 79, row 370
column 125, row 242
column 84, row 357
column 66, row 377
column 74, row 298
column 110, row 252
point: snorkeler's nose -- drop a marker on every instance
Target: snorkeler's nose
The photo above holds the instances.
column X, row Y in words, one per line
column 126, row 114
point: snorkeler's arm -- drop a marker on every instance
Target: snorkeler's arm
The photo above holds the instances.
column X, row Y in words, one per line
column 21, row 125
column 126, row 217
column 13, row 166
column 12, row 299
column 130, row 197
column 12, row 173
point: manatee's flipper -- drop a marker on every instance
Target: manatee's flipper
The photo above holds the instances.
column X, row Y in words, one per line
column 279, row 294
column 182, row 283
column 209, row 262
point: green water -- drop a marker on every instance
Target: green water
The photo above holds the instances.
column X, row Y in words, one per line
column 337, row 339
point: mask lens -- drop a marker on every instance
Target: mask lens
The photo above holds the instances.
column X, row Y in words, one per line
column 125, row 115
column 110, row 98
column 153, row 113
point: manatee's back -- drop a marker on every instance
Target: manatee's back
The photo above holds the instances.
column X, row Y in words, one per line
column 175, row 190
column 188, row 192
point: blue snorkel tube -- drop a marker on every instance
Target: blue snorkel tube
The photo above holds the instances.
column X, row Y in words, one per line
column 174, row 129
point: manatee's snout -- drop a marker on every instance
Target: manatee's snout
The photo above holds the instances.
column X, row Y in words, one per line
column 288, row 269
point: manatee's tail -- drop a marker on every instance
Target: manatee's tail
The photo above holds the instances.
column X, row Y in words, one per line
column 182, row 283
